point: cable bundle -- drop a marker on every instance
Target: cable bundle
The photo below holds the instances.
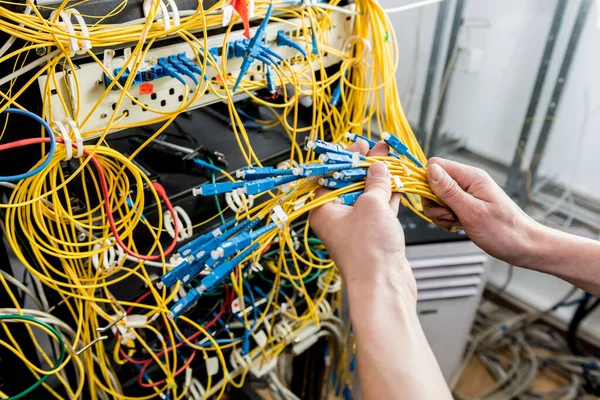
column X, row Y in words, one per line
column 259, row 280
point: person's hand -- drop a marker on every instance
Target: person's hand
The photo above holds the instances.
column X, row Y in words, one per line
column 476, row 203
column 366, row 241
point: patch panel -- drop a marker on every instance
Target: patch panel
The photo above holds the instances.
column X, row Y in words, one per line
column 153, row 89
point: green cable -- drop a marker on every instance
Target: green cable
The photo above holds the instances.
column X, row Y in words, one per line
column 214, row 180
column 63, row 350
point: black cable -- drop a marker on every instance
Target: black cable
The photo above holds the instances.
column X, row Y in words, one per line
column 502, row 289
column 584, row 309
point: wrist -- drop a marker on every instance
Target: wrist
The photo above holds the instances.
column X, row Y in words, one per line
column 389, row 284
column 532, row 246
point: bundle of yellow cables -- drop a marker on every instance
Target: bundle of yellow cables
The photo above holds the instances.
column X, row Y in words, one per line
column 71, row 245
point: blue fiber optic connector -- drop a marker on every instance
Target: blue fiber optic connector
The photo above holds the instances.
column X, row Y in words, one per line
column 354, row 174
column 332, row 183
column 400, row 148
column 285, row 40
column 253, row 173
column 349, row 199
column 210, row 189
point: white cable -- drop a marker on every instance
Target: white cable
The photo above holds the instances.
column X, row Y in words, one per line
column 23, row 288
column 42, row 316
column 12, row 39
column 411, row 6
column 29, row 67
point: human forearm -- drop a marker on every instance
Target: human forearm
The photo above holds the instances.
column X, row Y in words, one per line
column 394, row 358
column 567, row 256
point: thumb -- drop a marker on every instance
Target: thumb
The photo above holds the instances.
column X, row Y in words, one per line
column 378, row 182
column 446, row 188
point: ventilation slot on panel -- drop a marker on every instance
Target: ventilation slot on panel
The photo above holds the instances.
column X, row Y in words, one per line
column 447, row 293
column 448, row 277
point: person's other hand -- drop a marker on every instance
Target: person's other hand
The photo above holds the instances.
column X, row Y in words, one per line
column 366, row 241
column 476, row 203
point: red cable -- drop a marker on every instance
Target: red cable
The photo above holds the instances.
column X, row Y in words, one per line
column 189, row 338
column 157, row 186
column 161, row 192
column 161, row 382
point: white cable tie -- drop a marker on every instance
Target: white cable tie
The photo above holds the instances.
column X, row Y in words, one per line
column 250, row 201
column 251, row 9
column 168, row 221
column 300, row 203
column 111, row 257
column 85, row 43
column 257, row 267
column 397, row 182
column 230, row 202
column 189, row 227
column 65, row 19
column 261, row 338
column 77, row 133
column 279, row 217
column 136, row 321
column 68, row 143
column 161, row 12
column 239, row 199
column 175, row 11
column 355, row 160
column 185, row 226
column 227, row 14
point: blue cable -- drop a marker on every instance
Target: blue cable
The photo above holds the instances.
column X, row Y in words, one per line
column 50, row 155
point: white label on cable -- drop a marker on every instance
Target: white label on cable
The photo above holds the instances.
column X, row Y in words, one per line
column 235, row 306
column 261, row 338
column 136, row 321
column 212, row 366
column 144, row 66
column 227, row 15
column 217, row 232
column 108, row 57
column 126, row 56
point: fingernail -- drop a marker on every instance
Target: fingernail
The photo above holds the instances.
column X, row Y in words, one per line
column 436, row 173
column 378, row 170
